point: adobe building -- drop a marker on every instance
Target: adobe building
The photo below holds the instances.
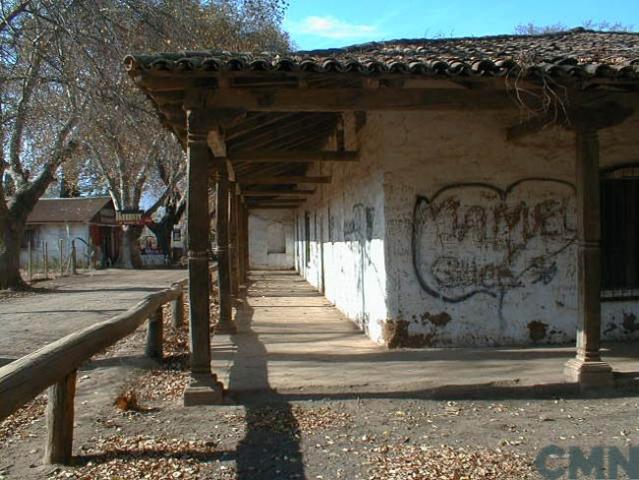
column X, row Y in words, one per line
column 455, row 192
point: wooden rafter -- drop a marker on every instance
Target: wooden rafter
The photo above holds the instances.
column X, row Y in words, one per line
column 291, row 128
column 294, row 156
column 282, row 180
column 276, row 193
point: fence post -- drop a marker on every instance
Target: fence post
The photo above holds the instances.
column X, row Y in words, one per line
column 46, row 260
column 61, row 249
column 30, row 261
column 74, row 264
column 177, row 311
column 154, row 335
column 60, row 399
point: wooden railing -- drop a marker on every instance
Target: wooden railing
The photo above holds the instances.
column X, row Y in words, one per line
column 55, row 365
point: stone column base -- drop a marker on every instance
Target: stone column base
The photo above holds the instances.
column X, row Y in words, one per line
column 204, row 389
column 589, row 374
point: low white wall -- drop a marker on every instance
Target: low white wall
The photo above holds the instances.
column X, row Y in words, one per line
column 271, row 239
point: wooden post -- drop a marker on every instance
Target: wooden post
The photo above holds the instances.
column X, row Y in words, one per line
column 61, row 250
column 225, row 323
column 234, row 241
column 30, row 261
column 74, row 260
column 240, row 243
column 245, row 220
column 154, row 335
column 46, row 260
column 60, row 398
column 587, row 368
column 203, row 387
column 177, row 311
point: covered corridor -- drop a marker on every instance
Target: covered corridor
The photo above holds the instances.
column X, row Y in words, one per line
column 292, row 341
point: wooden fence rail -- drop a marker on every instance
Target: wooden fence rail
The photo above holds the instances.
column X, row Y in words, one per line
column 56, row 364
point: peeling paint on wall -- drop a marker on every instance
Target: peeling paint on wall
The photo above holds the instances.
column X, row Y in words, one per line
column 537, row 330
column 396, row 335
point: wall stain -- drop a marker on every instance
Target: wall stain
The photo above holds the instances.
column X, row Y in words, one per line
column 395, row 335
column 630, row 322
column 437, row 319
column 537, row 330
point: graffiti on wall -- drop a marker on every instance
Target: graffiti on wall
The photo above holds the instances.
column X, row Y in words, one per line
column 475, row 238
column 359, row 227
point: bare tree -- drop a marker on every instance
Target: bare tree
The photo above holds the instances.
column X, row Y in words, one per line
column 532, row 28
column 64, row 95
column 41, row 104
column 128, row 144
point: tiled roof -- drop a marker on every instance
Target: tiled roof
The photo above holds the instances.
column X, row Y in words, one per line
column 575, row 53
column 55, row 210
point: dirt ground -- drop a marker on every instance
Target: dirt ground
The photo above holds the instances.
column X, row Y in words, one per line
column 129, row 423
column 55, row 308
column 297, row 436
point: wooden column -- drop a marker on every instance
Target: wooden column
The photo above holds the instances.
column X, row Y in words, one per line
column 225, row 324
column 241, row 235
column 587, row 368
column 204, row 387
column 60, row 412
column 245, row 221
column 236, row 241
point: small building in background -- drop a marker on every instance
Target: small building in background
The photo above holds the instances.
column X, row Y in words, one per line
column 272, row 239
column 89, row 221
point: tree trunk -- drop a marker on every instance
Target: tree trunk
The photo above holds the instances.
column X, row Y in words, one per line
column 10, row 239
column 129, row 251
column 162, row 231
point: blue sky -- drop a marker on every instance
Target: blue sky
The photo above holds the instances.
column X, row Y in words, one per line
column 336, row 23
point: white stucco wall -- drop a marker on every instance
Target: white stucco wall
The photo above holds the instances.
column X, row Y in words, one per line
column 271, row 239
column 481, row 231
column 346, row 259
column 446, row 234
column 51, row 234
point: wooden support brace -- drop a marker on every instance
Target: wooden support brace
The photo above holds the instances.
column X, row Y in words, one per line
column 60, row 411
column 154, row 335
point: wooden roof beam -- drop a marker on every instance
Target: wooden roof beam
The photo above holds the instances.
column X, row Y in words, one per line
column 283, row 180
column 294, row 156
column 342, row 99
column 271, row 207
column 266, row 201
column 276, row 193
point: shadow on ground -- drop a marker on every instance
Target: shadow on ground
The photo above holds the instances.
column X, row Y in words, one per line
column 270, row 426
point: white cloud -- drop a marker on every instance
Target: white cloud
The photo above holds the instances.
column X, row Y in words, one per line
column 331, row 27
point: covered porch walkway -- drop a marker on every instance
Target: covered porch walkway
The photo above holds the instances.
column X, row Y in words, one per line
column 292, row 340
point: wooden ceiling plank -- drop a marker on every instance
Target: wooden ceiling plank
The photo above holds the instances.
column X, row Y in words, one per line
column 285, row 130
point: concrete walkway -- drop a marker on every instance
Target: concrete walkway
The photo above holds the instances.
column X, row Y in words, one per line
column 292, row 340
column 30, row 321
